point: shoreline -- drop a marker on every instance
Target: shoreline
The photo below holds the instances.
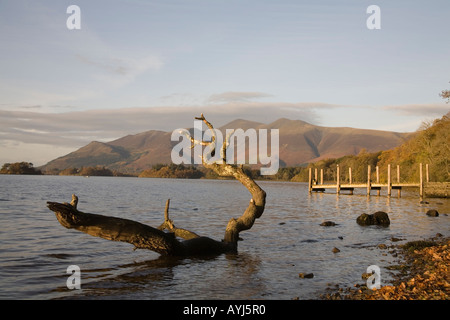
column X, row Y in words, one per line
column 423, row 274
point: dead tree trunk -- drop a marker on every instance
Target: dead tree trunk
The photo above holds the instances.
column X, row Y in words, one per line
column 156, row 239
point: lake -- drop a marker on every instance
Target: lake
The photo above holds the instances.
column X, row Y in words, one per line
column 288, row 239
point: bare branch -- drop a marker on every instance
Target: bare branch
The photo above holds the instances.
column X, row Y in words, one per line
column 226, row 143
column 178, row 232
column 256, row 206
column 140, row 235
column 445, row 94
column 116, row 229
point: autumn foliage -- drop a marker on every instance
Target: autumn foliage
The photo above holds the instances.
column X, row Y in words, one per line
column 429, row 145
column 19, row 168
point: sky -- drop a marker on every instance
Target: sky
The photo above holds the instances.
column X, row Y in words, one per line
column 138, row 65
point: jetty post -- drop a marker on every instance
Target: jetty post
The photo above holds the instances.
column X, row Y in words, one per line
column 420, row 181
column 378, row 180
column 310, row 180
column 369, row 182
column 338, row 180
column 350, row 180
column 314, row 184
column 389, row 182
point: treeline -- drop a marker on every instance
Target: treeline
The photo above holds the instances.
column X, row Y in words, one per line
column 178, row 171
column 429, row 145
column 19, row 168
column 90, row 171
column 181, row 171
column 358, row 164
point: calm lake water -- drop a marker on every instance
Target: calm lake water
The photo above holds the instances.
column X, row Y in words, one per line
column 288, row 239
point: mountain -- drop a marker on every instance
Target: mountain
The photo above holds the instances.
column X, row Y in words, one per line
column 300, row 142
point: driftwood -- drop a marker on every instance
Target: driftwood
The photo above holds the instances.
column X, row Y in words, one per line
column 164, row 239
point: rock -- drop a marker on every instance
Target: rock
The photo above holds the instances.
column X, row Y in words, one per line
column 378, row 218
column 364, row 220
column 310, row 240
column 328, row 224
column 306, row 275
column 382, row 246
column 366, row 275
column 432, row 213
column 336, row 250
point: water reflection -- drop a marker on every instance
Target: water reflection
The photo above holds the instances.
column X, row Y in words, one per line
column 285, row 241
column 212, row 277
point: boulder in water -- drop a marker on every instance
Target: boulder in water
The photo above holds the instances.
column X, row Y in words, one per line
column 432, row 213
column 378, row 218
column 328, row 223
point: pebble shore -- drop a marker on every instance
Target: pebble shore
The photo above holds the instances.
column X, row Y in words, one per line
column 422, row 275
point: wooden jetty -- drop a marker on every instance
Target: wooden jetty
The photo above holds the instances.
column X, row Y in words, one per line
column 316, row 183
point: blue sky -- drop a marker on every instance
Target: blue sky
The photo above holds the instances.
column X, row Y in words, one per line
column 140, row 65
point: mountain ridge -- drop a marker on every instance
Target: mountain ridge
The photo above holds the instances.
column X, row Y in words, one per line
column 300, row 143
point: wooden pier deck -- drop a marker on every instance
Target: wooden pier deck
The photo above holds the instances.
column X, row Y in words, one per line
column 315, row 184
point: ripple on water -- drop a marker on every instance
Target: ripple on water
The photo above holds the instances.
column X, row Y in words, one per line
column 287, row 240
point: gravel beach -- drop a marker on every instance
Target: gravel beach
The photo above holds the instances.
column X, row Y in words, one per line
column 423, row 274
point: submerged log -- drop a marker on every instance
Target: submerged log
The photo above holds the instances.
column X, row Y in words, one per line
column 138, row 234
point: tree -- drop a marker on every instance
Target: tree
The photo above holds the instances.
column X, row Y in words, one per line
column 19, row 168
column 172, row 171
column 156, row 239
column 445, row 94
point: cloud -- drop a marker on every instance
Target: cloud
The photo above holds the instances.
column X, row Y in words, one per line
column 46, row 64
column 38, row 154
column 431, row 109
column 119, row 71
column 71, row 130
column 234, row 96
column 114, row 66
column 124, row 66
column 76, row 129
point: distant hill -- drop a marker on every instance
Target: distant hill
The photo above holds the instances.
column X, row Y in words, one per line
column 429, row 145
column 300, row 143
